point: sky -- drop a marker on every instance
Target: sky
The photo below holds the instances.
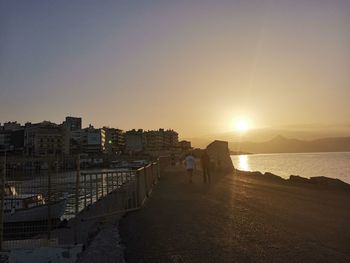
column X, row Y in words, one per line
column 193, row 66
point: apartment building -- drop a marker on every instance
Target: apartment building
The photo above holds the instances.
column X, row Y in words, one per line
column 42, row 139
column 114, row 140
column 89, row 140
column 161, row 139
column 134, row 141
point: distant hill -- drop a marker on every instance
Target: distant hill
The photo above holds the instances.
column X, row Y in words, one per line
column 260, row 135
column 280, row 144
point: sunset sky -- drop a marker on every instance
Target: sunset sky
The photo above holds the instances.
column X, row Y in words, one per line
column 194, row 66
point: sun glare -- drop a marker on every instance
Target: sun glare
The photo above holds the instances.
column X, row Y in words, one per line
column 241, row 125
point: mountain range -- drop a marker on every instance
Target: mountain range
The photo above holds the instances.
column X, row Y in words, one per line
column 297, row 138
column 280, row 144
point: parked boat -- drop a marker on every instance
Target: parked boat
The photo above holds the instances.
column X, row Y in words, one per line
column 30, row 207
column 120, row 165
column 128, row 165
column 138, row 164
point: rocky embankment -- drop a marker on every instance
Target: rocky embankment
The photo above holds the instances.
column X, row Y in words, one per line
column 319, row 182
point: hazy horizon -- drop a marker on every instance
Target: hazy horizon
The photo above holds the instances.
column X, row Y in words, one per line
column 266, row 134
column 193, row 66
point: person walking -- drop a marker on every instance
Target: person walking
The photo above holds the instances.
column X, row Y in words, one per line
column 190, row 164
column 205, row 162
column 173, row 159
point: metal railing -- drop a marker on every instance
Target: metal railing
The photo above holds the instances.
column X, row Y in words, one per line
column 62, row 194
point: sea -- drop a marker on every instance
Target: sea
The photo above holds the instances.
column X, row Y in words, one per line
column 329, row 164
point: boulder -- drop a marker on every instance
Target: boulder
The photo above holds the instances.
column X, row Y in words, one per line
column 298, row 179
column 220, row 156
column 273, row 177
column 329, row 182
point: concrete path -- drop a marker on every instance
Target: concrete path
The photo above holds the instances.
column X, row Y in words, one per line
column 237, row 219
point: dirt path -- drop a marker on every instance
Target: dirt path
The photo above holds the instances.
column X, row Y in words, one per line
column 238, row 219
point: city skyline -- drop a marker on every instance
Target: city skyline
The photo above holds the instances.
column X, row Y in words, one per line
column 69, row 138
column 193, row 66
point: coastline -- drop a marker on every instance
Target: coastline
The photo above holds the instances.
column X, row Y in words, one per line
column 327, row 164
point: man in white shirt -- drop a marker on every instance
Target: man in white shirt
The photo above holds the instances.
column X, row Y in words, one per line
column 190, row 163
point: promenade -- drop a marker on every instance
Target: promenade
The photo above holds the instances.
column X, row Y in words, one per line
column 238, row 218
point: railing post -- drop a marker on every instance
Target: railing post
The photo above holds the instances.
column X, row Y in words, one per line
column 158, row 168
column 113, row 173
column 2, row 196
column 107, row 184
column 85, row 191
column 102, row 177
column 146, row 180
column 91, row 192
column 77, row 185
column 77, row 182
column 49, row 201
column 154, row 173
column 138, row 199
column 96, row 182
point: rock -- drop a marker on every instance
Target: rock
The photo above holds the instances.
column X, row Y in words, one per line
column 329, row 182
column 255, row 173
column 299, row 179
column 318, row 182
column 271, row 176
column 220, row 156
column 262, row 176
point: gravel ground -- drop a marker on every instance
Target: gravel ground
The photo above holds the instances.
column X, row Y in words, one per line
column 238, row 218
column 99, row 235
column 105, row 247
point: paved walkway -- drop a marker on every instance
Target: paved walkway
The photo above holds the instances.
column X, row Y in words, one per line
column 236, row 219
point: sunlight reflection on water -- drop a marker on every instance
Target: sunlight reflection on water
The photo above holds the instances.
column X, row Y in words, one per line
column 243, row 163
column 334, row 165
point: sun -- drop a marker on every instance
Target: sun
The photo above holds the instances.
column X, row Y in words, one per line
column 241, row 125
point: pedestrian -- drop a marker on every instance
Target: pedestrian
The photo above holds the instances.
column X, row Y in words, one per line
column 205, row 162
column 173, row 159
column 190, row 164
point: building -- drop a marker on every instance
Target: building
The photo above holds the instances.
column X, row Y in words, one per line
column 134, row 141
column 160, row 140
column 42, row 139
column 11, row 126
column 170, row 139
column 12, row 137
column 114, row 140
column 185, row 145
column 75, row 141
column 5, row 139
column 151, row 141
column 73, row 123
column 17, row 141
column 154, row 141
column 68, row 126
column 88, row 140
